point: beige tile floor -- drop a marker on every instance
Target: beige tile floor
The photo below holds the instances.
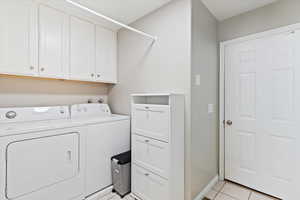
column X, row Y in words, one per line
column 230, row 191
column 221, row 191
column 113, row 196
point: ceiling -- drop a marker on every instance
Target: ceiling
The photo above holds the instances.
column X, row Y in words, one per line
column 126, row 11
column 224, row 9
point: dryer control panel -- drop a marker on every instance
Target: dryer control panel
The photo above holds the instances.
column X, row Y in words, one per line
column 30, row 114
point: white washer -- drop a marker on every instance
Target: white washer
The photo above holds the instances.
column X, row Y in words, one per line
column 41, row 154
column 107, row 135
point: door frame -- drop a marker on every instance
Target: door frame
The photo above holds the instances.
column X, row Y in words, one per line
column 222, row 84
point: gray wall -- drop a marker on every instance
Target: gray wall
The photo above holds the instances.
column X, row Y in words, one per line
column 161, row 67
column 281, row 13
column 25, row 91
column 204, row 126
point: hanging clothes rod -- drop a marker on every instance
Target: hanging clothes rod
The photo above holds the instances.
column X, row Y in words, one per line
column 154, row 38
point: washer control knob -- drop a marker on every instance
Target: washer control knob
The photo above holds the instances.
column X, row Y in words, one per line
column 11, row 115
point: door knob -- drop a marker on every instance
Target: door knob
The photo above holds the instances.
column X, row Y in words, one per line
column 229, row 122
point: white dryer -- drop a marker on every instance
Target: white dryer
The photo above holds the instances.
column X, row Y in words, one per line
column 40, row 157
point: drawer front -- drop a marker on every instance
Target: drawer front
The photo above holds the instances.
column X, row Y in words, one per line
column 151, row 121
column 151, row 154
column 148, row 186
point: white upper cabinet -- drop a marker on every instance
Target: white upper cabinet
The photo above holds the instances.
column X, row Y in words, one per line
column 16, row 38
column 53, row 41
column 82, row 50
column 53, row 26
column 106, row 55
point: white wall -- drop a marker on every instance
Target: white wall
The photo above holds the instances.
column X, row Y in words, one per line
column 26, row 91
column 204, row 126
column 281, row 13
column 161, row 67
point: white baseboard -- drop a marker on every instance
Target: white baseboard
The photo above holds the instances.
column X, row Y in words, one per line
column 209, row 186
column 100, row 194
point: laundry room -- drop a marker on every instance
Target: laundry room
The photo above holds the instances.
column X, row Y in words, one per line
column 149, row 100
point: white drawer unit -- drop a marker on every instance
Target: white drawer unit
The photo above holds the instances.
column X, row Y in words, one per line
column 151, row 121
column 158, row 146
column 151, row 154
column 149, row 186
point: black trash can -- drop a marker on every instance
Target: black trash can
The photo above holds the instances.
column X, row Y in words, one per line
column 121, row 173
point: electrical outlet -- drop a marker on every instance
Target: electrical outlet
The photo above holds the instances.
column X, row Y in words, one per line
column 210, row 108
column 197, row 79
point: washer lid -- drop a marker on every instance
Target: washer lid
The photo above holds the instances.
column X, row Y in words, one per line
column 28, row 114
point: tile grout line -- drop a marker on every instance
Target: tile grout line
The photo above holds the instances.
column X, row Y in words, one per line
column 250, row 195
column 218, row 192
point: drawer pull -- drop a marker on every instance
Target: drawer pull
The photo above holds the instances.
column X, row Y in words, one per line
column 140, row 109
column 147, row 141
column 157, row 111
column 147, row 174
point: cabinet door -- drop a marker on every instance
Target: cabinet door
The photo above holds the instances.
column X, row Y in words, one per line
column 82, row 50
column 16, row 37
column 106, row 51
column 148, row 186
column 151, row 154
column 151, row 121
column 52, row 46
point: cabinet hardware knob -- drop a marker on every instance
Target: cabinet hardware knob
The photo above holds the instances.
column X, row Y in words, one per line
column 147, row 141
column 11, row 115
column 92, row 75
column 42, row 69
column 98, row 75
column 147, row 174
column 31, row 68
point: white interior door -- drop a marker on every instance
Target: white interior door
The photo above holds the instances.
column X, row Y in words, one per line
column 262, row 99
column 53, row 26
